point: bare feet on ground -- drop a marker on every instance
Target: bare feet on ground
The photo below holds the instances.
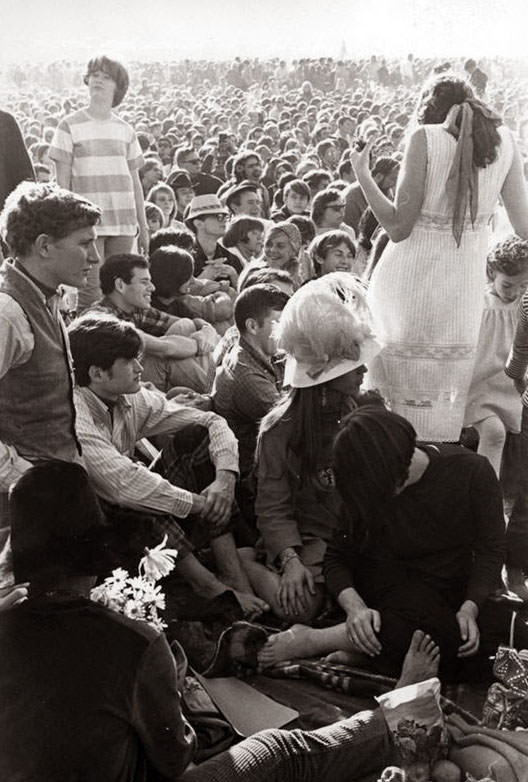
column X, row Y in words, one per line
column 421, row 661
column 286, row 645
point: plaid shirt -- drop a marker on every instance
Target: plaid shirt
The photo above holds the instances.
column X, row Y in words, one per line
column 150, row 320
column 108, row 442
column 517, row 362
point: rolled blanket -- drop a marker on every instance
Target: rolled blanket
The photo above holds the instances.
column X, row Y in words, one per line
column 479, row 750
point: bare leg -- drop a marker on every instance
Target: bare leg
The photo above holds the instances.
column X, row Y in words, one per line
column 266, row 584
column 231, row 572
column 492, row 438
column 303, row 641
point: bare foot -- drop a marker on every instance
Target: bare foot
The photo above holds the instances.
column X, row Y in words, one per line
column 421, row 661
column 346, row 658
column 251, row 605
column 287, row 645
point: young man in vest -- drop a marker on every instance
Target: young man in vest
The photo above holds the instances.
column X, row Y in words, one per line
column 51, row 236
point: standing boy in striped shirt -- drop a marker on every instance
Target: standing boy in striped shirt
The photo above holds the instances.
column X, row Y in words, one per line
column 97, row 155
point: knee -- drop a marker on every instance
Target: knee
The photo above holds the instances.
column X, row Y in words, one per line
column 492, row 432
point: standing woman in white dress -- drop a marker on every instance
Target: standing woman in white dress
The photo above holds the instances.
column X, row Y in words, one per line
column 426, row 292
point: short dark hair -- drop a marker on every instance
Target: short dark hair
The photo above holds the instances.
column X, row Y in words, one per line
column 34, row 209
column 170, row 267
column 256, row 302
column 239, row 228
column 508, row 257
column 321, row 201
column 115, row 70
column 384, row 165
column 120, row 266
column 264, row 275
column 297, row 186
column 98, row 341
column 181, row 237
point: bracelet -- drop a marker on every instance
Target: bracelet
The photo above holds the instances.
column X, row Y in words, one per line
column 286, row 558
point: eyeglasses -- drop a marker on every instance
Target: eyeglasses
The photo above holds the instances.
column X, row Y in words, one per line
column 337, row 207
column 221, row 218
column 193, row 160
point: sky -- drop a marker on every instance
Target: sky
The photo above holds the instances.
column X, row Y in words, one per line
column 171, row 29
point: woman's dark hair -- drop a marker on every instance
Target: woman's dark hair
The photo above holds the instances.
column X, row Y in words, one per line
column 508, row 257
column 170, row 268
column 445, row 91
column 115, row 70
column 181, row 237
column 372, row 456
column 305, row 225
column 368, row 222
column 380, row 244
column 302, row 406
column 98, row 341
column 239, row 228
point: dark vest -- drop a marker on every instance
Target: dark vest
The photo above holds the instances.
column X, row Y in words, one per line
column 37, row 414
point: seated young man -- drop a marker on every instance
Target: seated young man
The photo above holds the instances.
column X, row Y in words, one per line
column 421, row 545
column 183, row 495
column 177, row 351
column 90, row 694
column 248, row 383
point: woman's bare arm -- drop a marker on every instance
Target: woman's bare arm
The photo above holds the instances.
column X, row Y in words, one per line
column 398, row 217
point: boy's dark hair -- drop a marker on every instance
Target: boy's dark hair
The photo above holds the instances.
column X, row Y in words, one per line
column 98, row 340
column 180, row 237
column 322, row 244
column 256, row 302
column 115, row 70
column 170, row 267
column 33, row 209
column 508, row 257
column 239, row 228
column 264, row 275
column 120, row 266
column 299, row 187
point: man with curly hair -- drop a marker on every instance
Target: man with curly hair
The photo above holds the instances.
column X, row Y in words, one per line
column 51, row 236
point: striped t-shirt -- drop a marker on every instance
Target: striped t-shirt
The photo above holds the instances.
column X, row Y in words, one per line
column 102, row 154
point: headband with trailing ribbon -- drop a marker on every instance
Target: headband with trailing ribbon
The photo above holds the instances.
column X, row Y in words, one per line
column 462, row 182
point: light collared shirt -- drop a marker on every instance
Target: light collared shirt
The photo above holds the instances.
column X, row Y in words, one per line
column 109, row 440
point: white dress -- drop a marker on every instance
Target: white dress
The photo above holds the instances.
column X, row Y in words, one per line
column 426, row 297
column 491, row 391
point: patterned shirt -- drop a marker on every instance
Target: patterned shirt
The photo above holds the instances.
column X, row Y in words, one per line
column 517, row 362
column 108, row 441
column 102, row 154
column 150, row 320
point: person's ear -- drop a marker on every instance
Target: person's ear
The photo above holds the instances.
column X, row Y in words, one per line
column 96, row 374
column 42, row 245
column 251, row 326
column 119, row 284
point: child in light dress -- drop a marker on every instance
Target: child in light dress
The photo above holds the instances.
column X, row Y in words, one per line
column 494, row 407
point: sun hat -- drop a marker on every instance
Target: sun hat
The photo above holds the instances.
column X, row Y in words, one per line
column 325, row 330
column 205, row 205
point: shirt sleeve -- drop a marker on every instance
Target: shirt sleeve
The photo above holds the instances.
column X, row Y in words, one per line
column 61, row 148
column 119, row 479
column 337, row 563
column 167, row 738
column 16, row 347
column 135, row 157
column 274, row 502
column 517, row 361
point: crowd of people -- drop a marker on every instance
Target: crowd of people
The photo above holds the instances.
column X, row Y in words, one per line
column 275, row 314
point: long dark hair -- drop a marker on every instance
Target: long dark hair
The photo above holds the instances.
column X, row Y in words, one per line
column 447, row 90
column 302, row 406
column 372, row 456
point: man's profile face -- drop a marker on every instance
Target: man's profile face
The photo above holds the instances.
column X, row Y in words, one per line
column 138, row 292
column 69, row 259
column 265, row 335
column 123, row 377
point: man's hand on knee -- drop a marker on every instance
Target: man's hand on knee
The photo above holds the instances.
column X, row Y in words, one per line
column 469, row 630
